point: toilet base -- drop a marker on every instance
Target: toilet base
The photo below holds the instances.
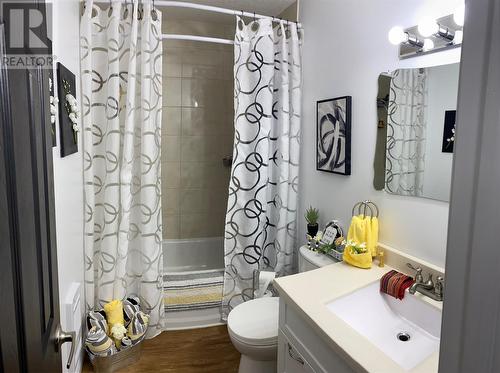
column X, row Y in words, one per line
column 249, row 365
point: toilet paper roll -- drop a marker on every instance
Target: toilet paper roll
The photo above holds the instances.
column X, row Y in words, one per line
column 265, row 278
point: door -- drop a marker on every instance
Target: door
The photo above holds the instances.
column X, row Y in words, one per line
column 30, row 335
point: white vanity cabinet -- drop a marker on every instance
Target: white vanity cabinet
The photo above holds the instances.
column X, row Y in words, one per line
column 301, row 350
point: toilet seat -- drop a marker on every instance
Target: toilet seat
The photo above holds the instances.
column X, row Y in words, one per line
column 255, row 323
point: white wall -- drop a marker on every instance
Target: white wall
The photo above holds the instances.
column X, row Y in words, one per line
column 442, row 85
column 345, row 49
column 68, row 170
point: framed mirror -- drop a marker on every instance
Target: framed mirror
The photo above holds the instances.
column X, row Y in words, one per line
column 416, row 131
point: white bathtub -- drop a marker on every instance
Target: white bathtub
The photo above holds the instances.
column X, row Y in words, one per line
column 193, row 254
column 193, row 258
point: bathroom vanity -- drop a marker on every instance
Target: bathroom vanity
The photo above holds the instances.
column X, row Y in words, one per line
column 335, row 320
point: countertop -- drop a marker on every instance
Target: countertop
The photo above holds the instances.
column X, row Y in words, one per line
column 334, row 281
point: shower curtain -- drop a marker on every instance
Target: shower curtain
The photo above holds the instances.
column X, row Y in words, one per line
column 121, row 62
column 406, row 128
column 260, row 230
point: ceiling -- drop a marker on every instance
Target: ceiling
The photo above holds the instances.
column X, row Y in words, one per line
column 264, row 7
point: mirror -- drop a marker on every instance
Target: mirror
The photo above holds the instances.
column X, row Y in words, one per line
column 416, row 131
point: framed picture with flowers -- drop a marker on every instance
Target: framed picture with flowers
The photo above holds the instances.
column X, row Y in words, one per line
column 69, row 111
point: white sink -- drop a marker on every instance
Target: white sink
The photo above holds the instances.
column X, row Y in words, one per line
column 380, row 318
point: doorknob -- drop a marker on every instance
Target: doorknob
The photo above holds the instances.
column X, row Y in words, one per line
column 63, row 337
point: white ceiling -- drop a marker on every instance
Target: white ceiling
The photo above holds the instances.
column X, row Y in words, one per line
column 264, row 7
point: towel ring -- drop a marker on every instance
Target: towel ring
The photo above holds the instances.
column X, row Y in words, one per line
column 363, row 207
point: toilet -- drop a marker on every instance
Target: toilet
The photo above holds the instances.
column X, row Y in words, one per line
column 253, row 325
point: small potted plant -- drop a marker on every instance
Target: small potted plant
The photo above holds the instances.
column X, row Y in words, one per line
column 312, row 216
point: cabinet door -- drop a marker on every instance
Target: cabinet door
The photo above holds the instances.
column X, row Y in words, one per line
column 289, row 359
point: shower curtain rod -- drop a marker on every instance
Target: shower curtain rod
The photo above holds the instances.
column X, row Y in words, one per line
column 208, row 8
column 196, row 38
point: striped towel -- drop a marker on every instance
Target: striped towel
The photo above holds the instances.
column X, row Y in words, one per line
column 395, row 283
column 193, row 290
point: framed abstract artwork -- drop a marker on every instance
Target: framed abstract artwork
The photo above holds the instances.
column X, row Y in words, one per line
column 449, row 131
column 333, row 135
column 67, row 130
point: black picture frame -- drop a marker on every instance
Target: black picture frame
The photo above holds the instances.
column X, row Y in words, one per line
column 334, row 155
column 448, row 128
column 66, row 139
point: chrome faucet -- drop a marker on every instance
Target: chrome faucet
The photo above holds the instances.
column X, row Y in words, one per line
column 427, row 288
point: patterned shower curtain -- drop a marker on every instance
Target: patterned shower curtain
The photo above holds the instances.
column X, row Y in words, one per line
column 406, row 129
column 121, row 62
column 260, row 231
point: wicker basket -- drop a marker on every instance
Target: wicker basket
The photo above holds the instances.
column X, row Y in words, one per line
column 337, row 255
column 122, row 359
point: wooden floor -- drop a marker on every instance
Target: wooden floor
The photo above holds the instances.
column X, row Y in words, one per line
column 207, row 350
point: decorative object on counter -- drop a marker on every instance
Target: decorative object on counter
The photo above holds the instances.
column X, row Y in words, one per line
column 313, row 242
column 68, row 112
column 449, row 131
column 357, row 254
column 381, row 260
column 110, row 343
column 312, row 216
column 333, row 135
column 394, row 283
column 364, row 225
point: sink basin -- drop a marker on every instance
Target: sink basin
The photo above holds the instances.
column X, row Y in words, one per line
column 407, row 330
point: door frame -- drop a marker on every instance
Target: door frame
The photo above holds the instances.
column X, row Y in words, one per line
column 470, row 336
column 13, row 347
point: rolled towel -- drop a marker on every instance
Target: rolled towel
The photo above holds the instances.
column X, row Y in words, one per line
column 130, row 308
column 125, row 343
column 98, row 319
column 98, row 342
column 138, row 327
column 114, row 312
column 395, row 284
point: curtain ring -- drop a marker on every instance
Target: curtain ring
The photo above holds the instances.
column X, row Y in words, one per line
column 153, row 12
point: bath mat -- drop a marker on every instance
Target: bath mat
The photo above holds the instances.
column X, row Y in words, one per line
column 193, row 290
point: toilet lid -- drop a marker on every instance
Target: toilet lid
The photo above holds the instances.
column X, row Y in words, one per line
column 255, row 322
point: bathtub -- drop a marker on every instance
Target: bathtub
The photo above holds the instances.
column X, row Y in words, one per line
column 193, row 254
column 192, row 267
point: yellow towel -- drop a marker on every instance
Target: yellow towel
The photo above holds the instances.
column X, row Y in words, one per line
column 114, row 313
column 357, row 229
column 372, row 235
column 363, row 260
column 364, row 229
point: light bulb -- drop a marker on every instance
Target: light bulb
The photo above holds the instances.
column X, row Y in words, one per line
column 459, row 15
column 397, row 35
column 428, row 27
column 428, row 45
column 459, row 36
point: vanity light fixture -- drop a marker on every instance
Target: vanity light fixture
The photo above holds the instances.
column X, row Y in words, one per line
column 459, row 35
column 431, row 35
column 459, row 15
column 430, row 27
column 428, row 45
column 397, row 36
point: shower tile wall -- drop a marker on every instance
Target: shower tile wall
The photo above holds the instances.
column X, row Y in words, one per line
column 197, row 130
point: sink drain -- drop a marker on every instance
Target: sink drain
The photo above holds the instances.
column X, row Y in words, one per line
column 403, row 337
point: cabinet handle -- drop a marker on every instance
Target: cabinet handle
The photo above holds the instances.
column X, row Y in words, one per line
column 294, row 355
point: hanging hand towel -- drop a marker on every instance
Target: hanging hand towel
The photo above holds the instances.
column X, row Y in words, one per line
column 371, row 224
column 357, row 229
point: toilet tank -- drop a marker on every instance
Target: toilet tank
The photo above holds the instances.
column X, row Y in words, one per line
column 309, row 260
